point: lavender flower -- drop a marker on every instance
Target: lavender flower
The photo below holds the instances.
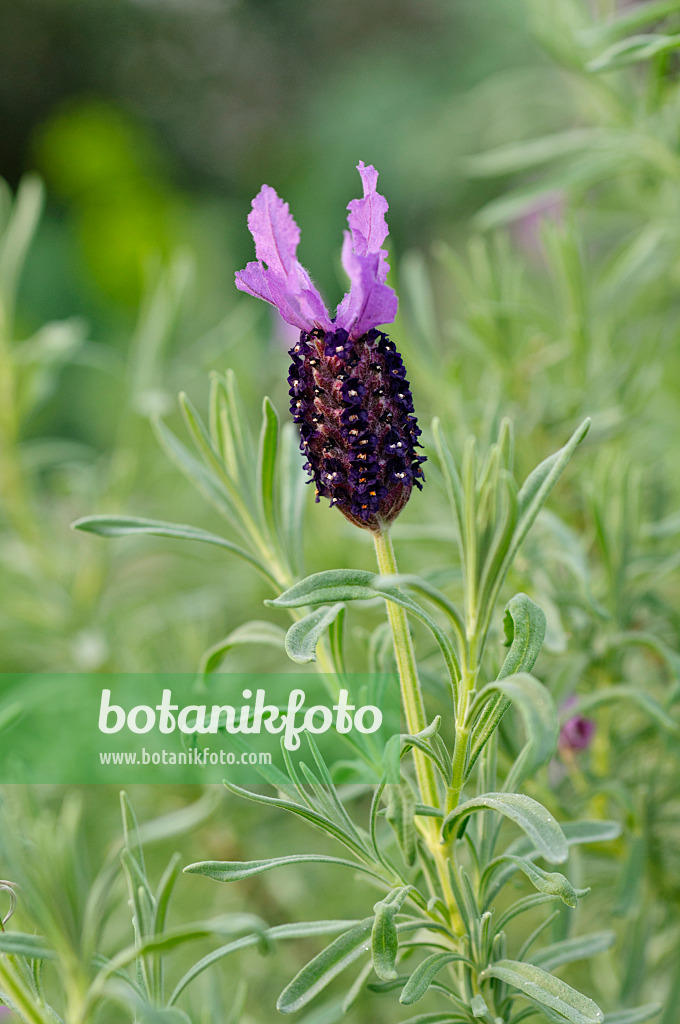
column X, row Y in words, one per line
column 348, row 386
column 577, row 732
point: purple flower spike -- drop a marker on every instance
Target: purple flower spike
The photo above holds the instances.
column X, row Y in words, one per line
column 348, row 386
column 577, row 733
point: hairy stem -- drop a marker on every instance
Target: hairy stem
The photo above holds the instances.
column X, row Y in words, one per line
column 416, row 720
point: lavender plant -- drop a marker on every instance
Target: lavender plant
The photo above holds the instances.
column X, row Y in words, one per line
column 439, row 845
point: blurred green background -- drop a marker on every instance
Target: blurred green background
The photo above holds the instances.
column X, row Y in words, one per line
column 532, row 166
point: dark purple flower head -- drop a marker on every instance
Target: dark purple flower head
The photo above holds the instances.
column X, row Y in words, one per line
column 348, row 386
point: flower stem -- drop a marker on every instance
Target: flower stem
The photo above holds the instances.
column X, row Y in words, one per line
column 416, row 720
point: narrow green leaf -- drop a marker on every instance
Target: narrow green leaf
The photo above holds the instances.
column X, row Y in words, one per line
column 480, row 1011
column 400, row 813
column 205, row 480
column 633, row 50
column 359, row 585
column 33, row 947
column 165, row 889
column 321, row 821
column 615, row 694
column 568, row 950
column 292, row 501
column 577, row 832
column 328, row 587
column 424, row 974
column 257, row 632
column 17, row 238
column 546, row 990
column 125, row 526
column 519, row 156
column 637, row 1015
column 304, row 635
column 384, row 939
column 524, row 625
column 235, row 870
column 551, row 882
column 229, row 924
column 300, row 930
column 320, row 971
column 533, row 818
column 539, row 717
column 266, row 467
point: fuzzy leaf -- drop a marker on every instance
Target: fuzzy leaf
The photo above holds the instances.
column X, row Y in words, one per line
column 320, row 971
column 546, row 990
column 256, row 632
column 384, row 941
column 539, row 715
column 524, row 624
column 125, row 526
column 424, row 974
column 359, row 585
column 551, row 882
column 235, row 870
column 328, row 587
column 304, row 635
column 568, row 950
column 637, row 1015
column 643, row 700
column 400, row 812
column 301, row 930
column 533, row 818
column 266, row 469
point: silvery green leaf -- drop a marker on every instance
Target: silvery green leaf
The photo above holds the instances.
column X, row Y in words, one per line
column 325, row 966
column 33, row 947
column 568, row 950
column 315, row 817
column 539, row 715
column 577, row 832
column 256, row 632
column 300, row 930
column 384, row 940
column 480, row 1011
column 304, row 635
column 533, row 818
column 400, row 812
column 235, row 870
column 546, row 990
column 637, row 1015
column 550, row 882
column 633, row 50
column 644, row 701
column 266, row 467
column 359, row 585
column 125, row 526
column 524, row 626
column 328, row 587
column 425, row 973
column 204, row 479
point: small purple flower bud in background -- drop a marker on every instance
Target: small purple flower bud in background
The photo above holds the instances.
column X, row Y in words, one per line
column 526, row 230
column 348, row 387
column 5, row 1013
column 577, row 732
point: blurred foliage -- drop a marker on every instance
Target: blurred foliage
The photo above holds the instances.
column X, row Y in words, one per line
column 530, row 155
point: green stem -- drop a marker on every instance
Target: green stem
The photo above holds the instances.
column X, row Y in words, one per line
column 416, row 720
